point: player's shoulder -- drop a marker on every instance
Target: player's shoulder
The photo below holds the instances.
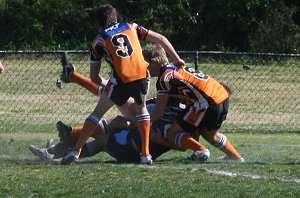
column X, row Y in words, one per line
column 98, row 39
column 168, row 69
column 167, row 72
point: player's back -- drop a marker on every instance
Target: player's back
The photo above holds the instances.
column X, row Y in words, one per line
column 120, row 42
column 212, row 90
column 192, row 85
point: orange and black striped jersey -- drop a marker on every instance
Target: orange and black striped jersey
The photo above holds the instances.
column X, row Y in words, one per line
column 190, row 84
column 120, row 45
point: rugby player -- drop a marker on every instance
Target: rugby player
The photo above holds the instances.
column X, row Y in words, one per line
column 116, row 137
column 207, row 102
column 118, row 43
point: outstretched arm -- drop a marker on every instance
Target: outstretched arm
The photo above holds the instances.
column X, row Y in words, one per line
column 165, row 43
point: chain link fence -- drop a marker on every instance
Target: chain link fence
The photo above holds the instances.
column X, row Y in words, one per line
column 266, row 90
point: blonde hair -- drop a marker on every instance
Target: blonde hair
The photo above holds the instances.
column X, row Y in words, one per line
column 156, row 54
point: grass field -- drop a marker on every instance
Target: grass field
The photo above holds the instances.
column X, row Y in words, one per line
column 263, row 124
column 272, row 169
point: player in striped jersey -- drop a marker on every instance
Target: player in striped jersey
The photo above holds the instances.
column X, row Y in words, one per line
column 217, row 139
column 174, row 107
column 207, row 102
column 118, row 43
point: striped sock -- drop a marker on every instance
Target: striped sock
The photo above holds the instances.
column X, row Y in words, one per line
column 225, row 146
column 143, row 124
column 85, row 82
column 89, row 127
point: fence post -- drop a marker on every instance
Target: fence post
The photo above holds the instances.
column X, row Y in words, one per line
column 196, row 60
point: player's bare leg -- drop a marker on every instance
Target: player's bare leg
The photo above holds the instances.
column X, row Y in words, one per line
column 89, row 127
column 186, row 141
column 70, row 75
column 221, row 142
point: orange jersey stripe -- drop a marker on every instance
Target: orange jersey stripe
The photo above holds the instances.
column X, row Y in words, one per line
column 209, row 86
column 194, row 85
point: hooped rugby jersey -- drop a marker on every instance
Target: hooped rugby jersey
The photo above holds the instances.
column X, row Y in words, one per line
column 192, row 85
column 119, row 45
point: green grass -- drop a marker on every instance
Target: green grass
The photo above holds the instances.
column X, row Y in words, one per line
column 272, row 169
column 263, row 123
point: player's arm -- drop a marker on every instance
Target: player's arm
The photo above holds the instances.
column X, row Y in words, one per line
column 94, row 72
column 96, row 54
column 160, row 107
column 156, row 137
column 165, row 43
column 2, row 69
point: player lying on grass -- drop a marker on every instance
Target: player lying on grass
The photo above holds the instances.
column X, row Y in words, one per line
column 116, row 137
column 207, row 101
column 215, row 138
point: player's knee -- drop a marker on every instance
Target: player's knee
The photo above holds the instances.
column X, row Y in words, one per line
column 222, row 139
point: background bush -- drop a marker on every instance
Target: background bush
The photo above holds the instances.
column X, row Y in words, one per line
column 244, row 25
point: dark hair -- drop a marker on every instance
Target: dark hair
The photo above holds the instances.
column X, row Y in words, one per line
column 106, row 15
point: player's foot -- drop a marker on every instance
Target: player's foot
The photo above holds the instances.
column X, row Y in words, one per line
column 199, row 156
column 146, row 159
column 68, row 68
column 226, row 158
column 50, row 143
column 72, row 156
column 64, row 130
column 42, row 153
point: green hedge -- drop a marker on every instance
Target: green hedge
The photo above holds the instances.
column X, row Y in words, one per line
column 245, row 25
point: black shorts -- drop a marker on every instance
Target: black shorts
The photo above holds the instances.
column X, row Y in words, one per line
column 212, row 120
column 120, row 93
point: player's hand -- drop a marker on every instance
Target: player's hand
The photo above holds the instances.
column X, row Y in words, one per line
column 179, row 62
column 2, row 69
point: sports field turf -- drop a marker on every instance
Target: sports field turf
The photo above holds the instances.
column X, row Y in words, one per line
column 272, row 169
column 30, row 105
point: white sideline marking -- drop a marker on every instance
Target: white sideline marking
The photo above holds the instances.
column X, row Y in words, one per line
column 278, row 145
column 233, row 174
column 216, row 172
column 237, row 174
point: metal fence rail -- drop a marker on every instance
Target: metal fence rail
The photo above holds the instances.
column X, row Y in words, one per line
column 266, row 90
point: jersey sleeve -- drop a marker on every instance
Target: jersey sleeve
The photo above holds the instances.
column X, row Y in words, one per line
column 141, row 31
column 97, row 49
column 163, row 82
column 93, row 57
